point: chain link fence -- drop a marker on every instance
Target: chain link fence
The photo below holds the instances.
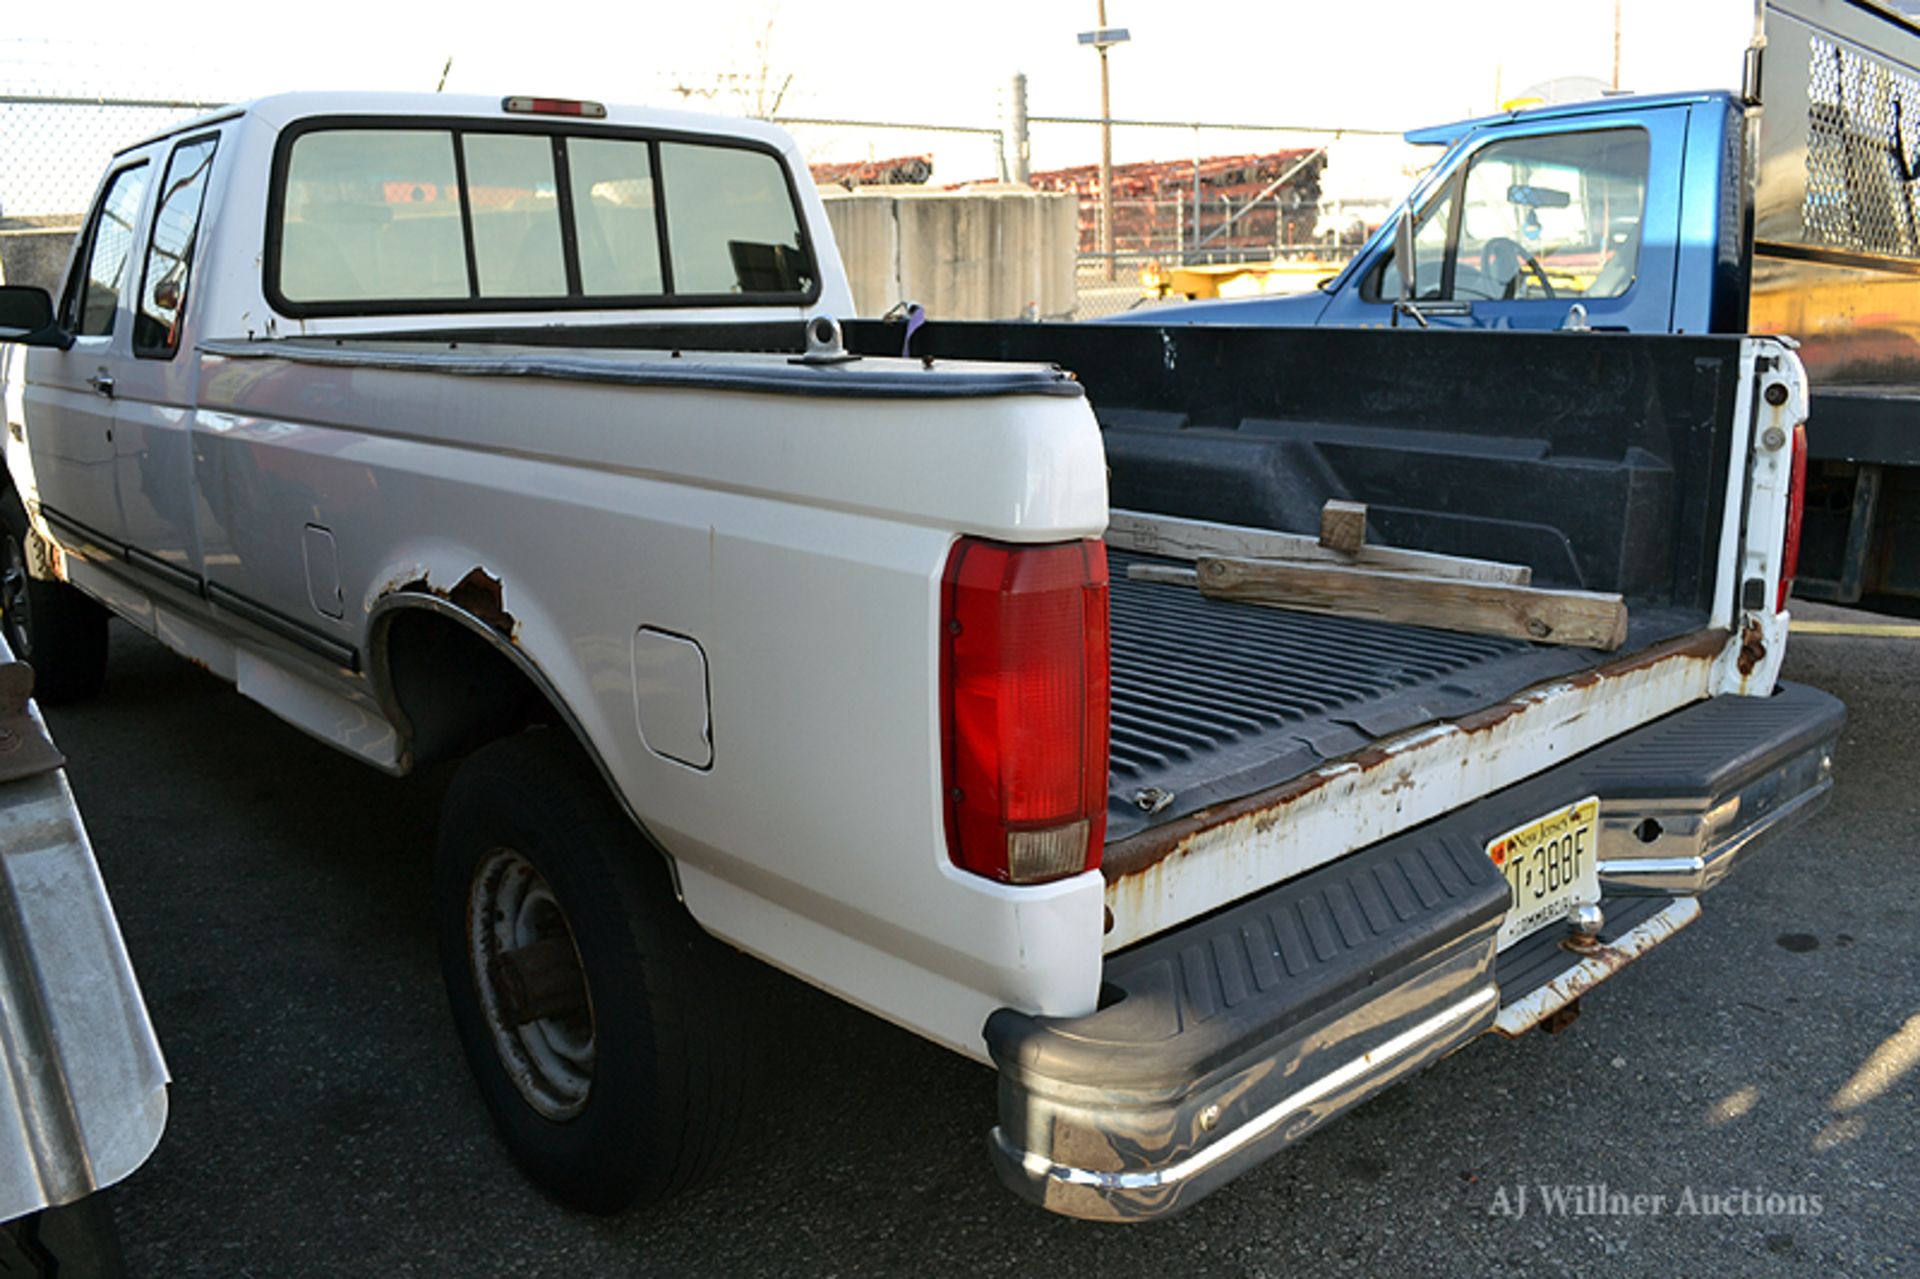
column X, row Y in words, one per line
column 1199, row 199
column 56, row 149
column 52, row 153
column 1202, row 209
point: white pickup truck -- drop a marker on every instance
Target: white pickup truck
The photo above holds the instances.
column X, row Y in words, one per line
column 521, row 433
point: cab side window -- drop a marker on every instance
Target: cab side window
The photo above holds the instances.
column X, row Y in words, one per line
column 1552, row 216
column 109, row 245
column 1556, row 216
column 176, row 226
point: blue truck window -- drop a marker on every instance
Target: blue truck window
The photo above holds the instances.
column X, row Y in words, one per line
column 1553, row 216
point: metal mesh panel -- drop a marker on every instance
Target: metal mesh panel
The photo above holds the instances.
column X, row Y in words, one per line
column 1863, row 150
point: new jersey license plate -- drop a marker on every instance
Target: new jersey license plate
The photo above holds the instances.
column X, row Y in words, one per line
column 1550, row 865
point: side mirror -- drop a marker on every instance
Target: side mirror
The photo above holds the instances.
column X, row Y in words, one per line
column 26, row 317
column 1403, row 258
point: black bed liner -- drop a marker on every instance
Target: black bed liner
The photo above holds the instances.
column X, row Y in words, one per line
column 1214, row 700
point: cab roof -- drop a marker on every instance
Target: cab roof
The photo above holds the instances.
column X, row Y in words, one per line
column 282, row 109
column 1445, row 135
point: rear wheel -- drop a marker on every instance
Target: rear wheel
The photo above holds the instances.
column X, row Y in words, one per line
column 48, row 624
column 604, row 1028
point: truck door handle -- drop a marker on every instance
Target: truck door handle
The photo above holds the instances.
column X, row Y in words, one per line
column 102, row 382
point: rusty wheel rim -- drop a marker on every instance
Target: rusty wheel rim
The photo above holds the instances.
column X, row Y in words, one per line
column 546, row 1045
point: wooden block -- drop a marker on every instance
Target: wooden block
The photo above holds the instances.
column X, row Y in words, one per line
column 1191, row 539
column 1584, row 619
column 1343, row 526
column 1166, row 574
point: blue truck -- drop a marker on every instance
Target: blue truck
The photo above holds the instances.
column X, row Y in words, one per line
column 1788, row 206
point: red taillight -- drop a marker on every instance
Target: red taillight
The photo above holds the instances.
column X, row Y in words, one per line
column 1796, row 514
column 554, row 106
column 1023, row 705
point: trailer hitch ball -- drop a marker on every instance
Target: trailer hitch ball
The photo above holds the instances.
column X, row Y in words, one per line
column 1587, row 919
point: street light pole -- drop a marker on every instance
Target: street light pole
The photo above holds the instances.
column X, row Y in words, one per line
column 1616, row 46
column 1102, row 39
column 1106, row 154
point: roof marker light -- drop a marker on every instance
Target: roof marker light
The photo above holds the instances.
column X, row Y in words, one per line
column 554, row 106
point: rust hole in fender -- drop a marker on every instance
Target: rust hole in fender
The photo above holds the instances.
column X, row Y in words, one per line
column 479, row 594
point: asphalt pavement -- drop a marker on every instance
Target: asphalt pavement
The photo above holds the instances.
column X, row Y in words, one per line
column 1746, row 1095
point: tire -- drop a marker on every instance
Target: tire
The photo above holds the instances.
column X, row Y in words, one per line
column 74, row 1241
column 623, row 1082
column 49, row 625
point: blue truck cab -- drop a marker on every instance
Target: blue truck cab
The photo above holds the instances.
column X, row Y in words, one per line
column 1615, row 206
column 1790, row 206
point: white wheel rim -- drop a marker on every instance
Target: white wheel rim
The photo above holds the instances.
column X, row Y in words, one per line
column 550, row 1060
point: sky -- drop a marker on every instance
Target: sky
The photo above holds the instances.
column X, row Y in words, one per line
column 1384, row 65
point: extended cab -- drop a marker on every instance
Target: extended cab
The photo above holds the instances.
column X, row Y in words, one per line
column 523, row 434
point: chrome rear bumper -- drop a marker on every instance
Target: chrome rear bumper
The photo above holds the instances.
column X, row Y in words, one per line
column 1667, row 846
column 1222, row 1042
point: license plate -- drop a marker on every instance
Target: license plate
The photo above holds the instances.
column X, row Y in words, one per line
column 1551, row 867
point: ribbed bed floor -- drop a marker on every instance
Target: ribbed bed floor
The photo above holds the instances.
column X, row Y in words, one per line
column 1213, row 701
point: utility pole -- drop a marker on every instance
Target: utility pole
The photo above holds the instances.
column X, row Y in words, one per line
column 1017, row 160
column 1102, row 39
column 1106, row 152
column 1616, row 46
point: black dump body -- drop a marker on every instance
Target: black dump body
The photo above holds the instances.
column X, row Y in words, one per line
column 1600, row 460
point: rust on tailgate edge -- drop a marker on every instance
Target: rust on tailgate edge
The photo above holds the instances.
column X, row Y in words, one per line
column 1136, row 868
column 1753, row 647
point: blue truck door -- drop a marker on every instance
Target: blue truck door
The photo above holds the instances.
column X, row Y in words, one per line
column 1535, row 217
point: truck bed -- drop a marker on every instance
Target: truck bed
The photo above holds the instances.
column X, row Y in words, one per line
column 1214, row 700
column 1601, row 461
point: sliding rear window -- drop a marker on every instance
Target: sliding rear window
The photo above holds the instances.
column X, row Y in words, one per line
column 371, row 218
